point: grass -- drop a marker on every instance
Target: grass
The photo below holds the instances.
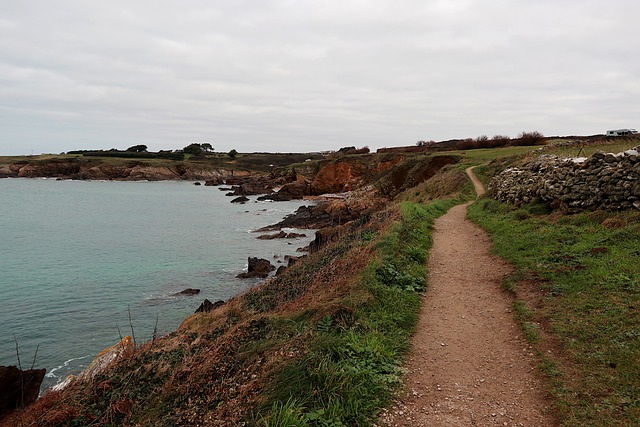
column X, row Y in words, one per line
column 481, row 155
column 586, row 271
column 350, row 371
column 585, row 150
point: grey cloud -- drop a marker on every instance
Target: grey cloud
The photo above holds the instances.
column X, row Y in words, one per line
column 300, row 76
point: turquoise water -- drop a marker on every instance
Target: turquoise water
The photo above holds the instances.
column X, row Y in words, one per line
column 77, row 257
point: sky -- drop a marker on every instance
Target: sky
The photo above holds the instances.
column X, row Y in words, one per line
column 311, row 75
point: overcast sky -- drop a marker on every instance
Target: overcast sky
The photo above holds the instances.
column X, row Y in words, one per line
column 309, row 75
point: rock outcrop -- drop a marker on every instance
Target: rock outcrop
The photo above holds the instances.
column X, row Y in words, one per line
column 188, row 291
column 281, row 235
column 241, row 199
column 258, row 267
column 605, row 180
column 102, row 361
column 333, row 211
column 18, row 388
column 208, row 306
column 95, row 169
column 291, row 191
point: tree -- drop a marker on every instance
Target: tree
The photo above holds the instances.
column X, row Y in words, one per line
column 193, row 149
column 137, row 148
column 206, row 147
column 233, row 154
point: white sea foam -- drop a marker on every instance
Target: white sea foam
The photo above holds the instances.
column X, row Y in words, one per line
column 51, row 373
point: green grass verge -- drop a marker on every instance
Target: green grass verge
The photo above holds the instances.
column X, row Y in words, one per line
column 349, row 374
column 586, row 268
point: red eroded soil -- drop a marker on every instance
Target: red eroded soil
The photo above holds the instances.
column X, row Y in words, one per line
column 469, row 364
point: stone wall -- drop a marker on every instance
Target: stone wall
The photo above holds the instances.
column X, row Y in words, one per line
column 607, row 181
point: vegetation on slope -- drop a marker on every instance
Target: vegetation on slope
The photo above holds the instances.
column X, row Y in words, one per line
column 319, row 345
column 578, row 280
column 354, row 359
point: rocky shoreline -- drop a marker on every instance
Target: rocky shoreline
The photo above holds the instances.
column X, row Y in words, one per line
column 342, row 191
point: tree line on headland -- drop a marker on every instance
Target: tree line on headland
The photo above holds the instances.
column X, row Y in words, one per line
column 198, row 150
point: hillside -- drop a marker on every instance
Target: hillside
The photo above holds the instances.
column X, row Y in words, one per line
column 323, row 342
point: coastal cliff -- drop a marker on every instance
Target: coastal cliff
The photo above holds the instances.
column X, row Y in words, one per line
column 90, row 169
column 217, row 368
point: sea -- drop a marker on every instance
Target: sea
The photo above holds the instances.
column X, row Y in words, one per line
column 83, row 263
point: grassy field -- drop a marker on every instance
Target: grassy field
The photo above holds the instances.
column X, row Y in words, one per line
column 578, row 284
column 585, row 150
column 482, row 155
column 577, row 289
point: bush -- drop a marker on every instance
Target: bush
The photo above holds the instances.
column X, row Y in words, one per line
column 529, row 138
column 137, row 148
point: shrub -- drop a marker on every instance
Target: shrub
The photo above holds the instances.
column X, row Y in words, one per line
column 529, row 138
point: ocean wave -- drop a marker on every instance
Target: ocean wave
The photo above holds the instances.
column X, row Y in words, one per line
column 51, row 373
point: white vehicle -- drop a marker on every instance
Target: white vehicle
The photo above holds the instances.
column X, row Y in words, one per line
column 621, row 132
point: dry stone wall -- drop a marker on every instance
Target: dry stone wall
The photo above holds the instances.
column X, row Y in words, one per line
column 604, row 180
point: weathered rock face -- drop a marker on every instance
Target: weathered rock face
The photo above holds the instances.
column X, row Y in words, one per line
column 52, row 168
column 291, row 191
column 608, row 181
column 335, row 211
column 258, row 267
column 281, row 235
column 83, row 168
column 208, row 306
column 125, row 347
column 18, row 388
column 217, row 180
column 9, row 170
column 339, row 176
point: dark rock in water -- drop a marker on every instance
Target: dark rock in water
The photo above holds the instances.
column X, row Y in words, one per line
column 18, row 388
column 280, row 235
column 197, row 183
column 258, row 267
column 213, row 182
column 208, row 306
column 188, row 291
column 295, row 235
column 241, row 199
column 225, row 188
column 231, row 194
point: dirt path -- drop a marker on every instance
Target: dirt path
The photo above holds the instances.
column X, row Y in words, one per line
column 469, row 364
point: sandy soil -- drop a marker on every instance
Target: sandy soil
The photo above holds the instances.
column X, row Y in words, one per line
column 469, row 364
